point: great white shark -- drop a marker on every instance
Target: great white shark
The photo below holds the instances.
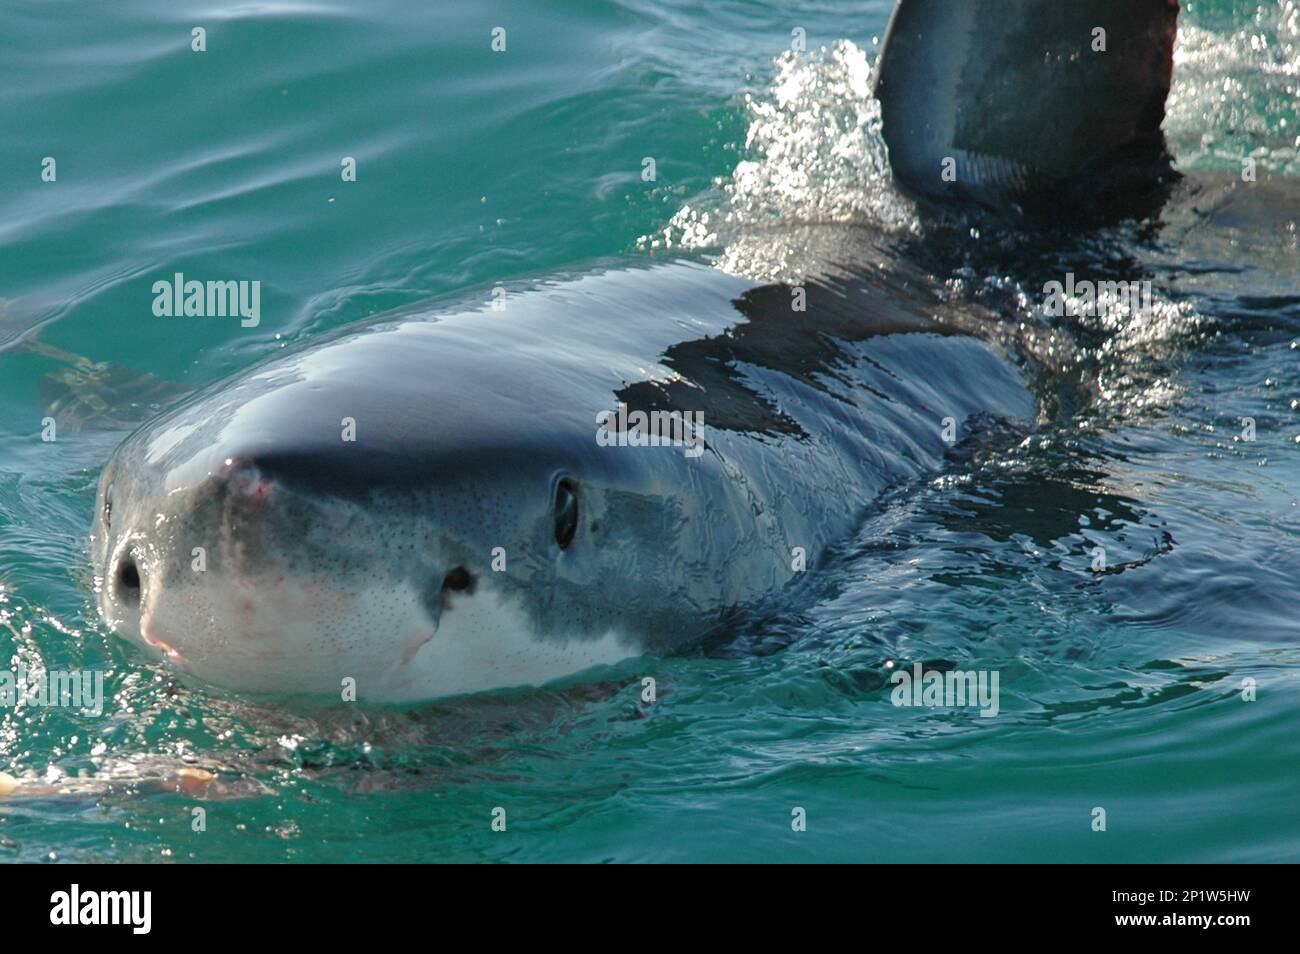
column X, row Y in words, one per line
column 461, row 496
column 441, row 502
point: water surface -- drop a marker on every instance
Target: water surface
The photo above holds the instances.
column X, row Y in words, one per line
column 1120, row 689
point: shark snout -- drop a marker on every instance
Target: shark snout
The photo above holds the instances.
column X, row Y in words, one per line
column 294, row 566
column 255, row 580
column 129, row 594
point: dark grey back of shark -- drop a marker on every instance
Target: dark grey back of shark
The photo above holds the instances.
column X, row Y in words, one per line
column 1030, row 107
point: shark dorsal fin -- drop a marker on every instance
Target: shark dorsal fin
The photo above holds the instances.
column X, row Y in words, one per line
column 1015, row 103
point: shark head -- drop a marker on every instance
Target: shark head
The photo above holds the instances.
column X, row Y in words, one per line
column 420, row 515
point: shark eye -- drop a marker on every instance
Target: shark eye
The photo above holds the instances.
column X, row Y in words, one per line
column 566, row 513
column 108, row 507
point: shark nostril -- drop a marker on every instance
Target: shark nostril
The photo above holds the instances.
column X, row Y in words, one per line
column 128, row 581
column 458, row 580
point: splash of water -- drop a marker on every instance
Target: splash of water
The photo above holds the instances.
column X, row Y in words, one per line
column 1234, row 94
column 815, row 157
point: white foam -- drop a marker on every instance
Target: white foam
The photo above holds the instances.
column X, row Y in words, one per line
column 815, row 156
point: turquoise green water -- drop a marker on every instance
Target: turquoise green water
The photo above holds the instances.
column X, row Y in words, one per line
column 1119, row 690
